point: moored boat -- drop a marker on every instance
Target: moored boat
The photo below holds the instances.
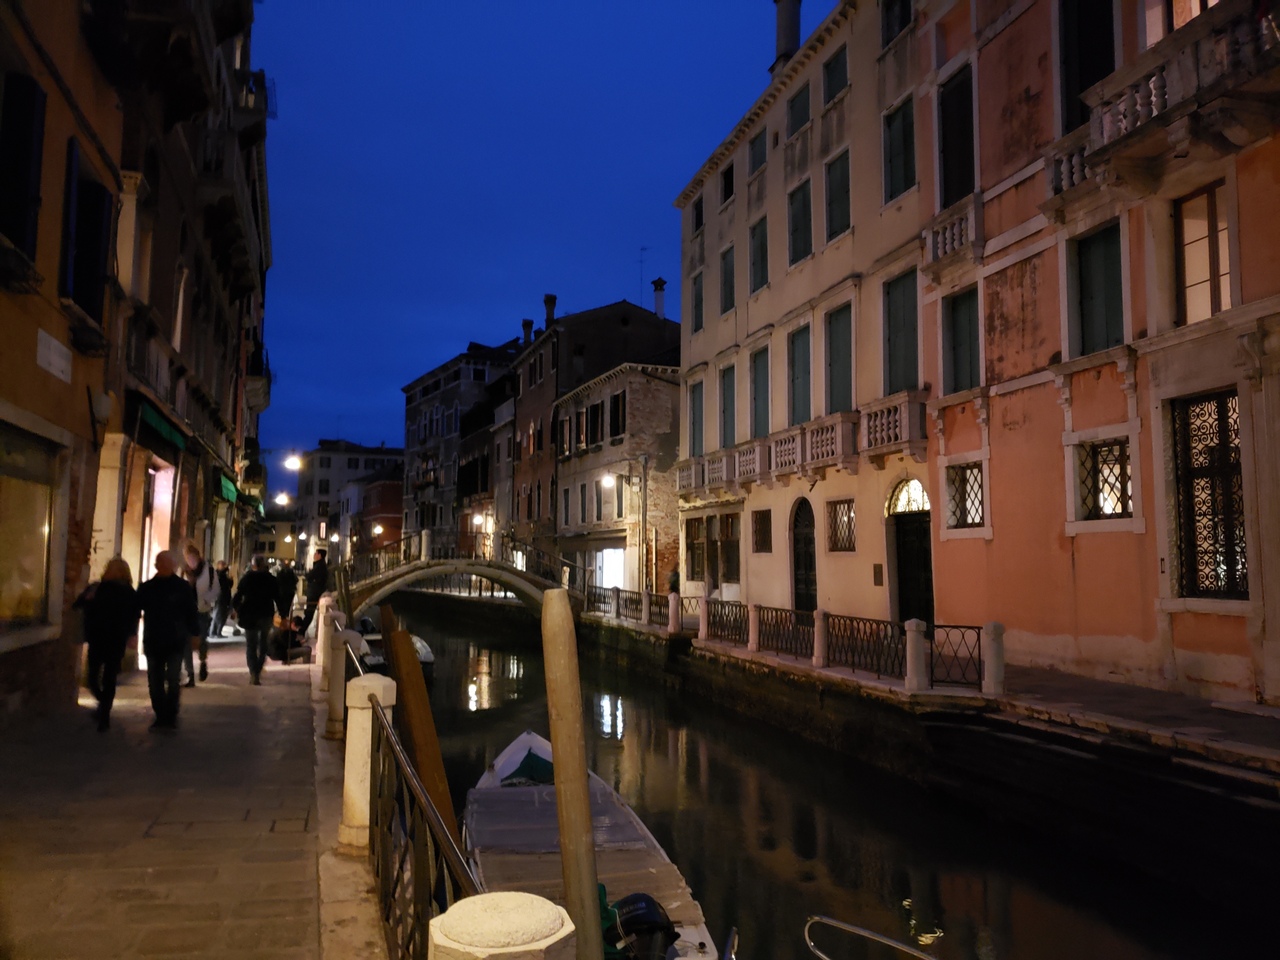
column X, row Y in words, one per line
column 512, row 838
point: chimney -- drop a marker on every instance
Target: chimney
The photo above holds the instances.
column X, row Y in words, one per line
column 549, row 301
column 528, row 329
column 659, row 297
column 788, row 33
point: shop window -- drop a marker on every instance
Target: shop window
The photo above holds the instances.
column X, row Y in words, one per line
column 27, row 478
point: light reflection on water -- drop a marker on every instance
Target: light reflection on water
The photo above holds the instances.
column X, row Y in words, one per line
column 769, row 831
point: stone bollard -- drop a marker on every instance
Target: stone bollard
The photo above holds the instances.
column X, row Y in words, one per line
column 615, row 604
column 674, row 623
column 354, row 828
column 323, row 628
column 753, row 627
column 704, row 617
column 819, row 638
column 518, row 926
column 917, row 657
column 993, row 659
column 424, row 545
column 646, row 606
column 338, row 640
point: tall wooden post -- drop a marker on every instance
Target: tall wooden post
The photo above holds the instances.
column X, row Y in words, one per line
column 573, row 792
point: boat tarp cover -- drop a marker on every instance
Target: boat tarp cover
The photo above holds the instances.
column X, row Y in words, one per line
column 523, row 819
column 533, row 769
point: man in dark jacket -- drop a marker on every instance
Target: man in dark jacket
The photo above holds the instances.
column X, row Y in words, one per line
column 172, row 626
column 255, row 603
column 287, row 589
column 317, row 582
column 223, row 609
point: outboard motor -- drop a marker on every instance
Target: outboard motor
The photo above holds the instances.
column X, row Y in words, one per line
column 640, row 929
column 366, row 626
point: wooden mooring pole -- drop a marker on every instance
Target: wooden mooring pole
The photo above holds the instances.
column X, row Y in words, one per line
column 573, row 792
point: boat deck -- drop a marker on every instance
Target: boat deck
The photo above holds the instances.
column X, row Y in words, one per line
column 513, row 834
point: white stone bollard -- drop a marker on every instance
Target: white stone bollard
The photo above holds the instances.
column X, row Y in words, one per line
column 819, row 638
column 615, row 602
column 337, row 688
column 646, row 606
column 506, row 925
column 674, row 622
column 323, row 627
column 704, row 617
column 354, row 828
column 917, row 680
column 993, row 658
column 753, row 627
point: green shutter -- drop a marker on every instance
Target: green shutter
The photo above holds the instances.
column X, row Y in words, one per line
column 726, row 281
column 900, row 334
column 962, row 340
column 728, row 405
column 759, row 254
column 799, row 221
column 840, row 360
column 838, row 217
column 1101, row 305
column 798, row 379
column 697, row 303
column 695, row 420
column 760, row 394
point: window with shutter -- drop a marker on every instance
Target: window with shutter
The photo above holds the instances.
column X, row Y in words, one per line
column 695, row 419
column 618, row 414
column 21, row 156
column 728, row 404
column 565, row 521
column 760, row 393
column 900, row 334
column 582, row 503
column 1086, row 53
column 960, row 341
column 798, row 400
column 70, row 196
column 1101, row 311
column 840, row 360
column 799, row 223
column 697, row 215
column 798, row 111
column 726, row 281
column 757, row 152
column 759, row 266
column 835, row 74
column 895, row 16
column 955, row 130
column 838, row 208
column 899, row 151
column 726, row 184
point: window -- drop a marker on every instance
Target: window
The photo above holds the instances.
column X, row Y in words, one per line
column 599, row 492
column 565, row 439
column 799, row 223
column 955, row 137
column 1204, row 256
column 726, row 184
column 1088, row 55
column 841, row 537
column 538, row 436
column 899, row 152
column 618, row 414
column 21, row 156
column 308, row 488
column 798, row 394
column 757, row 152
column 27, row 480
column 353, row 463
column 839, row 218
column 695, row 548
column 762, row 531
column 840, row 360
column 1105, row 484
column 960, row 341
column 595, row 423
column 698, row 220
column 964, row 496
column 697, row 301
column 730, row 536
column 582, row 503
column 759, row 266
column 895, row 16
column 1178, row 13
column 760, row 393
column 87, row 216
column 322, row 510
column 695, row 419
column 726, row 281
column 797, row 111
column 619, row 496
column 324, row 485
column 325, row 463
column 835, row 75
column 900, row 334
column 565, row 506
column 538, row 501
column 478, row 374
column 582, row 429
column 1101, row 311
column 728, row 413
column 1210, row 498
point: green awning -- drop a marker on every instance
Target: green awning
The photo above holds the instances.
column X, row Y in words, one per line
column 229, row 491
column 253, row 503
column 154, row 418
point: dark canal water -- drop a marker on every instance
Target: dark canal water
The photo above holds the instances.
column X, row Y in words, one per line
column 768, row 830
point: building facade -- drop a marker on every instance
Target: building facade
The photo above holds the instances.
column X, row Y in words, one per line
column 369, row 512
column 1013, row 359
column 326, row 471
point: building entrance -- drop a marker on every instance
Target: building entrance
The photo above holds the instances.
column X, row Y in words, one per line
column 803, row 559
column 913, row 560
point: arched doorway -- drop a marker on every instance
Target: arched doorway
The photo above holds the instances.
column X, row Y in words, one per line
column 804, row 561
column 908, row 512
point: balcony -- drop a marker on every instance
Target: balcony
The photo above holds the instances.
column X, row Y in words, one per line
column 894, row 425
column 257, row 381
column 752, row 463
column 832, row 442
column 1067, row 171
column 954, row 236
column 689, row 476
column 786, row 450
column 230, row 223
column 719, row 469
column 255, row 103
column 1206, row 90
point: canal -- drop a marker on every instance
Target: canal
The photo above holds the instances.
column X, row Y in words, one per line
column 768, row 830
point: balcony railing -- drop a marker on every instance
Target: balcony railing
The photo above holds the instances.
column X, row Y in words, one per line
column 787, row 452
column 894, row 424
column 689, row 475
column 229, row 209
column 1065, row 163
column 832, row 442
column 720, row 469
column 956, row 230
column 751, row 461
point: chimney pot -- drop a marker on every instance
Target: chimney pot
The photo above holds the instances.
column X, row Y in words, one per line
column 528, row 329
column 788, row 33
column 549, row 301
column 659, row 297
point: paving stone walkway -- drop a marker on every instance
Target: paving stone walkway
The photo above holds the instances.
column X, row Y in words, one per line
column 201, row 842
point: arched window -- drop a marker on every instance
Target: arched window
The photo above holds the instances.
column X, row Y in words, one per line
column 908, row 497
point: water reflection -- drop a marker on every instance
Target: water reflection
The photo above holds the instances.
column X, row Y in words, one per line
column 769, row 831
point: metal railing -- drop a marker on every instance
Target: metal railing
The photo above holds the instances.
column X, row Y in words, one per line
column 660, row 609
column 876, row 646
column 464, row 585
column 857, row 932
column 727, row 620
column 599, row 600
column 630, row 604
column 419, row 872
column 788, row 632
column 385, row 559
column 955, row 655
column 690, row 607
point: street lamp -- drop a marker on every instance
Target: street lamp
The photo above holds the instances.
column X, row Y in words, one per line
column 302, row 535
column 334, row 538
column 478, row 520
column 293, row 462
column 282, row 499
column 377, row 529
column 288, row 538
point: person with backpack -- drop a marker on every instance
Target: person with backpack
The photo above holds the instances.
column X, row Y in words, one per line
column 255, row 605
column 201, row 576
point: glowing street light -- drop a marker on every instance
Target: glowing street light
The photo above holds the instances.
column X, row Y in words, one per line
column 478, row 520
column 377, row 529
column 293, row 462
column 288, row 538
column 607, row 481
column 282, row 499
column 302, row 535
column 334, row 538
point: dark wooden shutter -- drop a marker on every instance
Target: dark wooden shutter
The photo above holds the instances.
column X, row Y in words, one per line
column 728, row 408
column 900, row 334
column 799, row 219
column 840, row 360
column 955, row 101
column 1101, row 304
column 93, row 241
column 70, row 198
column 760, row 394
column 695, row 420
column 726, row 281
column 21, row 156
column 838, row 219
column 798, row 372
column 963, row 322
column 1087, row 55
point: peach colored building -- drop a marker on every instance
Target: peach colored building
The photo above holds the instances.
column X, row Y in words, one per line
column 1063, row 275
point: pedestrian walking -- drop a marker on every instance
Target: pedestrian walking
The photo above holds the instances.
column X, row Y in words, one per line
column 171, row 624
column 111, row 612
column 200, row 574
column 223, row 610
column 255, row 605
column 317, row 583
column 287, row 589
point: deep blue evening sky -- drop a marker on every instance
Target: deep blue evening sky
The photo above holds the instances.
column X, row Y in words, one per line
column 437, row 167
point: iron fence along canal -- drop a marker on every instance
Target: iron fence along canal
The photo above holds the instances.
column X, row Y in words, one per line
column 876, row 646
column 788, row 632
column 955, row 655
column 727, row 620
column 659, row 609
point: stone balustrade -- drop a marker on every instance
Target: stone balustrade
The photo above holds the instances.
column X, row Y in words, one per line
column 787, row 451
column 720, row 470
column 894, row 424
column 752, row 461
column 689, row 475
column 1065, row 164
column 956, row 230
column 832, row 442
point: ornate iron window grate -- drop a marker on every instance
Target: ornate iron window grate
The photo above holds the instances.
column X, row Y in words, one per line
column 841, row 535
column 1211, row 540
column 1106, row 485
column 964, row 496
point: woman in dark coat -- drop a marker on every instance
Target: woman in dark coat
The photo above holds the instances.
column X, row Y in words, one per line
column 111, row 614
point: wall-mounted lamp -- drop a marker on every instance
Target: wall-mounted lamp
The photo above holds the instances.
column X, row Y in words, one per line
column 288, row 538
column 302, row 535
column 478, row 520
column 334, row 538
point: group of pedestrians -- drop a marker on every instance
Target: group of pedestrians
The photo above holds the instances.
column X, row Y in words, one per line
column 179, row 606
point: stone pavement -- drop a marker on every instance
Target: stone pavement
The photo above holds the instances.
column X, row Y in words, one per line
column 203, row 842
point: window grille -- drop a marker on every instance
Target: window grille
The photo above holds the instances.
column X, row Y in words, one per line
column 762, row 531
column 730, row 526
column 964, row 487
column 1106, row 486
column 1211, row 541
column 840, row 526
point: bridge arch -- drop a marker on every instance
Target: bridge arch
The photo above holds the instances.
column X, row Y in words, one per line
column 528, row 589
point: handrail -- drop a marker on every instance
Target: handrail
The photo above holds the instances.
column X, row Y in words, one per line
column 355, row 659
column 860, row 932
